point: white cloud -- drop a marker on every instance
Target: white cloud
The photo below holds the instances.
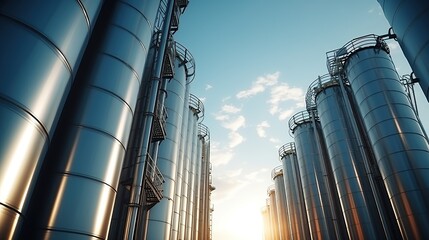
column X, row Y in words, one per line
column 208, row 87
column 259, row 85
column 282, row 93
column 286, row 114
column 230, row 109
column 220, row 156
column 235, row 124
column 260, row 129
column 235, row 139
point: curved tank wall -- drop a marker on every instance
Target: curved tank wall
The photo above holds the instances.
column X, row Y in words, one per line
column 409, row 20
column 282, row 210
column 204, row 201
column 159, row 222
column 86, row 161
column 180, row 169
column 354, row 190
column 265, row 212
column 395, row 134
column 41, row 47
column 197, row 109
column 312, row 176
column 293, row 189
column 274, row 220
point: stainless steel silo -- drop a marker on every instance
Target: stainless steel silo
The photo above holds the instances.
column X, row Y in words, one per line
column 352, row 184
column 41, row 47
column 281, row 200
column 266, row 220
column 274, row 220
column 196, row 111
column 85, row 162
column 197, row 108
column 409, row 20
column 160, row 217
column 399, row 144
column 305, row 126
column 180, row 169
column 204, row 201
column 293, row 189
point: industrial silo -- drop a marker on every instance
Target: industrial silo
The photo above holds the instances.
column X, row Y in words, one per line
column 266, row 219
column 293, row 189
column 196, row 111
column 274, row 219
column 281, row 202
column 85, row 163
column 160, row 216
column 205, row 184
column 323, row 224
column 347, row 160
column 397, row 139
column 409, row 20
column 41, row 45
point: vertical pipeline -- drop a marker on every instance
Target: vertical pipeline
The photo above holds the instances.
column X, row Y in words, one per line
column 40, row 53
column 136, row 188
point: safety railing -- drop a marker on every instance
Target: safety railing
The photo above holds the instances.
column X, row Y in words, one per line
column 287, row 149
column 302, row 117
column 277, row 171
column 322, row 82
column 197, row 106
column 154, row 181
column 335, row 59
column 187, row 59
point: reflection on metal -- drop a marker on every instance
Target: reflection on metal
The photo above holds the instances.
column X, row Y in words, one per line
column 274, row 221
column 295, row 200
column 282, row 209
column 395, row 134
column 409, row 20
column 357, row 202
column 40, row 53
column 311, row 165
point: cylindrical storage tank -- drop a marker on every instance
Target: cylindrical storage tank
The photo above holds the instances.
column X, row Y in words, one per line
column 159, row 222
column 86, row 158
column 310, row 161
column 354, row 190
column 41, row 45
column 409, row 20
column 274, row 220
column 282, row 209
column 265, row 212
column 197, row 108
column 194, row 113
column 180, row 168
column 204, row 135
column 293, row 189
column 398, row 142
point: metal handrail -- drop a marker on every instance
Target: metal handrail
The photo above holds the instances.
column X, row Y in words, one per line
column 302, row 117
column 270, row 189
column 277, row 171
column 335, row 59
column 286, row 149
column 187, row 59
column 197, row 106
column 203, row 132
column 322, row 82
column 154, row 174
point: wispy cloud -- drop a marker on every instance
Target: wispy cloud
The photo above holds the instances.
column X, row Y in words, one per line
column 208, row 87
column 235, row 139
column 260, row 129
column 259, row 85
column 219, row 155
column 282, row 93
column 234, row 124
column 227, row 108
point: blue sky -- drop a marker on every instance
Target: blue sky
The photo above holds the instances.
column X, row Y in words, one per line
column 254, row 62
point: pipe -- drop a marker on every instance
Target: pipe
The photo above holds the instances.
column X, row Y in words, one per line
column 139, row 172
